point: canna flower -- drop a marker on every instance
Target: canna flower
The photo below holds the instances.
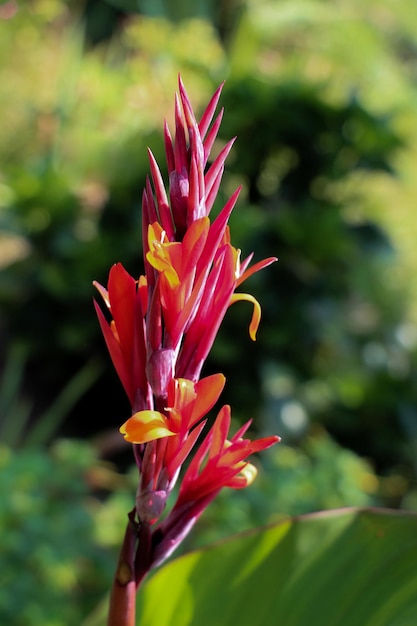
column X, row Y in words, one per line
column 159, row 329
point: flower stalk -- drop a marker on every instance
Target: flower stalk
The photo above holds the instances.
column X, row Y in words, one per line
column 122, row 609
column 159, row 329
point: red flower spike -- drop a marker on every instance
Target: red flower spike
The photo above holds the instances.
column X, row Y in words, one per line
column 186, row 163
column 162, row 328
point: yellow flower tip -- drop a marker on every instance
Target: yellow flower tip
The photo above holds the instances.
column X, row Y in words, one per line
column 146, row 426
column 249, row 473
column 256, row 319
column 245, row 477
column 256, row 315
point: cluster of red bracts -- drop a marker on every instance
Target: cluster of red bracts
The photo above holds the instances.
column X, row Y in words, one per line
column 162, row 328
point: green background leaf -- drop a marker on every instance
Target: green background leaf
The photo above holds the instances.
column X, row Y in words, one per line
column 341, row 568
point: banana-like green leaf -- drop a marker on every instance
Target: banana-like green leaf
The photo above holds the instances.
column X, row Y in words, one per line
column 339, row 568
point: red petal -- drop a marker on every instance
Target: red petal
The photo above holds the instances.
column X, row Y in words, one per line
column 116, row 354
column 208, row 390
column 122, row 295
column 210, row 110
column 211, row 136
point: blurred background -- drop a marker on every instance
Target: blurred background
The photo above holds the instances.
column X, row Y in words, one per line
column 323, row 98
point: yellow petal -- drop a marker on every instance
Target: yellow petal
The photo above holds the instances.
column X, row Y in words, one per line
column 146, row 426
column 155, row 233
column 244, row 478
column 160, row 259
column 249, row 473
column 256, row 316
column 162, row 254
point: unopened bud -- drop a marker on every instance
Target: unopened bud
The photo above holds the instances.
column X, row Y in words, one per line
column 150, row 505
column 179, row 188
column 160, row 370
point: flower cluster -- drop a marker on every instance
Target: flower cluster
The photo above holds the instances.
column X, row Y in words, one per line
column 162, row 327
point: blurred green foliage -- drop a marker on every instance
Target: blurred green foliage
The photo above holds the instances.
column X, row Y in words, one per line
column 322, row 99
column 49, row 554
column 329, row 317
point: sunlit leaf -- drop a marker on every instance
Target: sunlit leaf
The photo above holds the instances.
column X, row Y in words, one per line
column 343, row 568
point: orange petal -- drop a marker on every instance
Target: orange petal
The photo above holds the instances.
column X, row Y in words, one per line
column 192, row 401
column 208, row 390
column 146, row 426
column 194, row 242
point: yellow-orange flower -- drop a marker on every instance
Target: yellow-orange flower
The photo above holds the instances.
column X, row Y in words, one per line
column 145, row 426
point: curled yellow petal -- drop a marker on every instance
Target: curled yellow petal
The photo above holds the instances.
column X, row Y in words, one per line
column 256, row 315
column 249, row 473
column 245, row 477
column 146, row 426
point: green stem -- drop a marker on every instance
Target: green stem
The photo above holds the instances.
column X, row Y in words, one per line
column 122, row 610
